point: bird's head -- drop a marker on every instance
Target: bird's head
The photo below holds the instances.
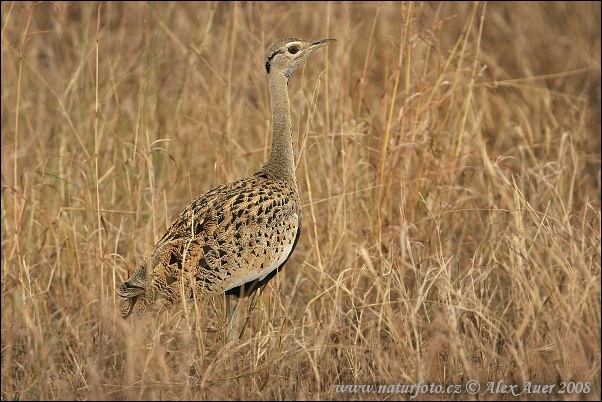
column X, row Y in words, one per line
column 285, row 55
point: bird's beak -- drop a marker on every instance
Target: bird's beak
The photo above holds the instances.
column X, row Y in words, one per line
column 319, row 43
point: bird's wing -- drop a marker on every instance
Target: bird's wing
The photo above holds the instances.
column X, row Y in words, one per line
column 234, row 234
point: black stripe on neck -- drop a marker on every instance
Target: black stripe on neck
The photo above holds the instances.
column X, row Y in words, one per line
column 268, row 61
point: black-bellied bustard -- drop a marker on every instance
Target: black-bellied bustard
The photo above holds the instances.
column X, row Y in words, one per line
column 234, row 238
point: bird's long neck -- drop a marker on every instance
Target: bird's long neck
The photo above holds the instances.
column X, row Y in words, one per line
column 281, row 161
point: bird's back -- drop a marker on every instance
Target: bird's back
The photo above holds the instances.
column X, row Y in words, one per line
column 232, row 240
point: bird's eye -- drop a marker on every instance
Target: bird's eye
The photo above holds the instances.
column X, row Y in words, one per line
column 293, row 49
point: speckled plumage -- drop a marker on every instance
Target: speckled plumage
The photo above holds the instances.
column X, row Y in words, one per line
column 220, row 237
column 234, row 238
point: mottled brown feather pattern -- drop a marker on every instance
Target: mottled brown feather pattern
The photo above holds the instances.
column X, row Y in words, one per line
column 221, row 236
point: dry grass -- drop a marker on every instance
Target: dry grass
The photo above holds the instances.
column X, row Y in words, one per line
column 449, row 168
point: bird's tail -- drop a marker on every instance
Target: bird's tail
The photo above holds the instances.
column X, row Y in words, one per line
column 132, row 290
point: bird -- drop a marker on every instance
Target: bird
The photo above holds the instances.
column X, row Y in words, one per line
column 237, row 236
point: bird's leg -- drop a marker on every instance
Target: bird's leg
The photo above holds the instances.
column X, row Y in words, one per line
column 232, row 320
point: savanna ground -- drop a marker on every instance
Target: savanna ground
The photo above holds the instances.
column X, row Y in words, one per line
column 449, row 168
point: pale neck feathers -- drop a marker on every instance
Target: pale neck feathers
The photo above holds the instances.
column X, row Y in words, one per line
column 281, row 161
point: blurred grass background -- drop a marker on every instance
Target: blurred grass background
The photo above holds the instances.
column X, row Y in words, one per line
column 449, row 169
